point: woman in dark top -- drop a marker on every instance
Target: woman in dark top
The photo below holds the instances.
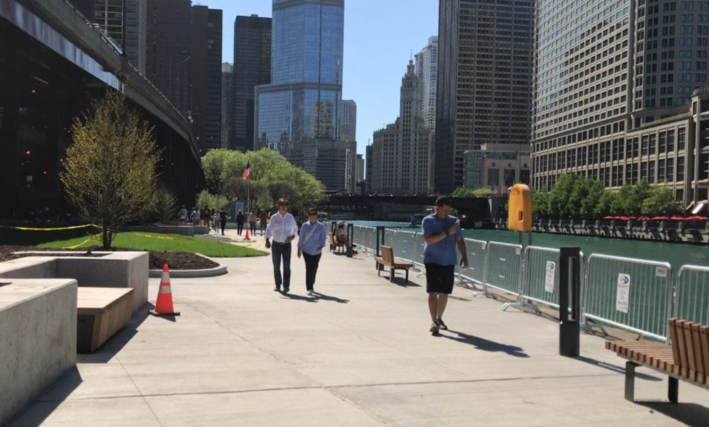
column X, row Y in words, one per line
column 240, row 219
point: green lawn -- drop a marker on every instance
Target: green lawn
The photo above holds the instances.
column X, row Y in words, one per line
column 82, row 239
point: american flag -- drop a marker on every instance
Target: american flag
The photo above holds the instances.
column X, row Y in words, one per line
column 247, row 172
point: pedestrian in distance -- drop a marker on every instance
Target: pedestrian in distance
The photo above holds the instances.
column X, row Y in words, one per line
column 215, row 221
column 311, row 242
column 264, row 222
column 240, row 219
column 282, row 229
column 252, row 223
column 195, row 217
column 222, row 219
column 441, row 232
column 182, row 215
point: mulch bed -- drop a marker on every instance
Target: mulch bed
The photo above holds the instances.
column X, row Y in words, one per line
column 175, row 260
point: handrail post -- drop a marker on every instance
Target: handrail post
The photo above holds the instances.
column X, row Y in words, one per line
column 350, row 240
column 381, row 232
column 569, row 327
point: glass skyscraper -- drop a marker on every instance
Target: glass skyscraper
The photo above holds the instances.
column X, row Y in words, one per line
column 302, row 103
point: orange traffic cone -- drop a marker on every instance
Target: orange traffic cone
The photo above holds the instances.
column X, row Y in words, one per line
column 247, row 236
column 163, row 306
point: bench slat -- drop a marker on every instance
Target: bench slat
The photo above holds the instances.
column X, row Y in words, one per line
column 689, row 343
column 704, row 339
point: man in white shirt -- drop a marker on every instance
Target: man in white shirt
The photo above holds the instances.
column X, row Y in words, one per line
column 282, row 229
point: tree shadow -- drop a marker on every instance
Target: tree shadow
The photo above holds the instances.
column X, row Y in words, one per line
column 486, row 345
column 324, row 297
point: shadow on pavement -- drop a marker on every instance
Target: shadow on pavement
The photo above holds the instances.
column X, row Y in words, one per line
column 400, row 281
column 297, row 297
column 614, row 368
column 38, row 410
column 690, row 414
column 324, row 297
column 105, row 353
column 485, row 345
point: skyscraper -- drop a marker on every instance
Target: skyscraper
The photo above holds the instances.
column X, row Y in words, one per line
column 184, row 58
column 252, row 67
column 427, row 73
column 301, row 105
column 401, row 152
column 124, row 21
column 227, row 101
column 612, row 98
column 484, row 81
column 348, row 136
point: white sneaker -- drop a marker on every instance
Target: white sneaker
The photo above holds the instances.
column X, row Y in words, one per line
column 311, row 293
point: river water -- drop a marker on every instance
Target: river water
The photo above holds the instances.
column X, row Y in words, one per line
column 677, row 254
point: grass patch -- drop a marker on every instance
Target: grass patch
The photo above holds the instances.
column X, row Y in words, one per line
column 83, row 239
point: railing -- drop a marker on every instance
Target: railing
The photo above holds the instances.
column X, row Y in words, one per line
column 503, row 268
column 631, row 294
column 692, row 294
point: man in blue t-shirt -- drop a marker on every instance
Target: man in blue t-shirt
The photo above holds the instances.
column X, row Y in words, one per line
column 442, row 234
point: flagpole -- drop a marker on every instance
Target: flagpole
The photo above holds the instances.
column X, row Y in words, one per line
column 248, row 195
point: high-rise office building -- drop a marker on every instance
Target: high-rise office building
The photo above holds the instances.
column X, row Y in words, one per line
column 369, row 154
column 401, row 152
column 484, row 91
column 124, row 21
column 427, row 73
column 206, row 84
column 227, row 101
column 613, row 92
column 252, row 67
column 184, row 58
column 348, row 136
column 299, row 110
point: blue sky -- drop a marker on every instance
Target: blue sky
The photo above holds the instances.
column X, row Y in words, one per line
column 380, row 36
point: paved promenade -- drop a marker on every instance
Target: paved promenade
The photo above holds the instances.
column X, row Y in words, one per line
column 360, row 355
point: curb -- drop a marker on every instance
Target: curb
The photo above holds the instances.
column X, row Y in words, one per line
column 177, row 274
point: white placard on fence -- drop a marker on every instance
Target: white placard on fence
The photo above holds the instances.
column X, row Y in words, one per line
column 623, row 294
column 661, row 272
column 549, row 278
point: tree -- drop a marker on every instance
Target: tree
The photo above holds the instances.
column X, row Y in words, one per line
column 661, row 202
column 109, row 172
column 272, row 177
column 540, row 204
column 211, row 201
column 632, row 198
column 560, row 204
column 608, row 204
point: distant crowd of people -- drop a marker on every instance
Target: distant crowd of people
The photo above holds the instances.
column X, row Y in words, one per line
column 217, row 220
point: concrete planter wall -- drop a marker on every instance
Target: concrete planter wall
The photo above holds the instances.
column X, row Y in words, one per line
column 37, row 338
column 184, row 230
column 112, row 270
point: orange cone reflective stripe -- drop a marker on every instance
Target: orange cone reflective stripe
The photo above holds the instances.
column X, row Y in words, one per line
column 163, row 305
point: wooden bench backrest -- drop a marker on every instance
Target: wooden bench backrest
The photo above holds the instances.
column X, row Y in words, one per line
column 690, row 345
column 387, row 254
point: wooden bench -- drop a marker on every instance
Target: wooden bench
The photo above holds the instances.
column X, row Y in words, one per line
column 686, row 359
column 101, row 313
column 387, row 259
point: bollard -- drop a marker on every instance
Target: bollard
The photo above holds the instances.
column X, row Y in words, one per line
column 569, row 323
column 350, row 240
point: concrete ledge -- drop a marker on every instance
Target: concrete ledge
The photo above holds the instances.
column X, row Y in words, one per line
column 112, row 270
column 37, row 339
column 183, row 230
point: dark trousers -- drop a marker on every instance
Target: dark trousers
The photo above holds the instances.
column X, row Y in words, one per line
column 223, row 224
column 311, row 269
column 252, row 226
column 239, row 227
column 281, row 251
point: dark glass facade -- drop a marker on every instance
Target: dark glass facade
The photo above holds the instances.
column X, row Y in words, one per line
column 252, row 67
column 484, row 91
column 303, row 100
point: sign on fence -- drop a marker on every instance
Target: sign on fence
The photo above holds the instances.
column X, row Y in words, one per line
column 549, row 278
column 623, row 293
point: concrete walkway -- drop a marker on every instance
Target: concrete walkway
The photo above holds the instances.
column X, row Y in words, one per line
column 360, row 355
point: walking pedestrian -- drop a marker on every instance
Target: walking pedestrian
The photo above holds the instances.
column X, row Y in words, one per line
column 240, row 219
column 182, row 215
column 252, row 223
column 222, row 219
column 215, row 221
column 310, row 245
column 195, row 217
column 264, row 222
column 282, row 229
column 441, row 233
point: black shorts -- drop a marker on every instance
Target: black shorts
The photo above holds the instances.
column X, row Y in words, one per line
column 440, row 278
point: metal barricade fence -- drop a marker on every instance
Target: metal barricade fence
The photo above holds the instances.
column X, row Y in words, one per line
column 404, row 248
column 692, row 294
column 503, row 267
column 418, row 246
column 476, row 261
column 389, row 238
column 631, row 294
